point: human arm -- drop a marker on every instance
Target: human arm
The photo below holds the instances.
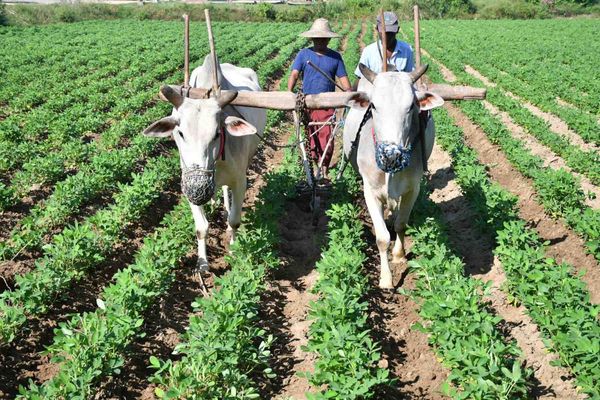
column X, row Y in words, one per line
column 346, row 83
column 292, row 80
column 297, row 67
column 410, row 60
column 342, row 75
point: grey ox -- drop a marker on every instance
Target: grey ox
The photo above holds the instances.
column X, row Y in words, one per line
column 389, row 155
column 216, row 143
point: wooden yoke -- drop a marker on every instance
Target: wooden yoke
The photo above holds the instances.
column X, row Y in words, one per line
column 286, row 101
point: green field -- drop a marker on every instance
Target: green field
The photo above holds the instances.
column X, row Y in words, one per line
column 95, row 237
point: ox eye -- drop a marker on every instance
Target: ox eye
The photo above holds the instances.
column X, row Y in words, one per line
column 178, row 131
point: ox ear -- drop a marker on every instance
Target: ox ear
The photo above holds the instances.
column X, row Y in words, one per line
column 360, row 101
column 238, row 127
column 429, row 100
column 162, row 128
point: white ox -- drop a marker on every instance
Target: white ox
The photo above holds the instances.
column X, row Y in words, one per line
column 205, row 130
column 389, row 155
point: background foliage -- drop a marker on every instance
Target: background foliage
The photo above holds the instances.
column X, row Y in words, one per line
column 333, row 9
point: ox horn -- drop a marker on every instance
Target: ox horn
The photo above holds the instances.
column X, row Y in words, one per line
column 367, row 73
column 417, row 73
column 171, row 96
column 226, row 97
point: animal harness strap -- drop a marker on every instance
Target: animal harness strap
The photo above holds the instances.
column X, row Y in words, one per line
column 221, row 154
column 423, row 118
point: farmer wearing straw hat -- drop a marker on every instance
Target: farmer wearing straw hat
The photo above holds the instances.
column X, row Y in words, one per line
column 399, row 54
column 329, row 62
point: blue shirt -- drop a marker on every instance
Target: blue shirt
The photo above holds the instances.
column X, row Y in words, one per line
column 402, row 58
column 312, row 81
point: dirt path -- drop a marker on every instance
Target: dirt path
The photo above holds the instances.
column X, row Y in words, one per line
column 476, row 249
column 300, row 249
column 405, row 351
column 550, row 159
column 564, row 244
column 446, row 73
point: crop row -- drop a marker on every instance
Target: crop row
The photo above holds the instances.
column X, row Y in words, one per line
column 544, row 77
column 224, row 348
column 584, row 162
column 81, row 55
column 565, row 310
column 13, row 307
column 555, row 298
column 50, row 168
column 464, row 334
column 556, row 64
column 352, row 52
column 99, row 176
column 347, row 357
column 558, row 191
column 91, row 345
column 82, row 246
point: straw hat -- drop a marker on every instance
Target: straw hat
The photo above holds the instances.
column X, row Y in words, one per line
column 320, row 29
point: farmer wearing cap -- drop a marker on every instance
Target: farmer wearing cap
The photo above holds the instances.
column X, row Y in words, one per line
column 313, row 82
column 399, row 54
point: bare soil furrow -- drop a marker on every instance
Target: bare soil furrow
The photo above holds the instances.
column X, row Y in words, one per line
column 405, row 352
column 563, row 244
column 300, row 249
column 476, row 249
column 446, row 73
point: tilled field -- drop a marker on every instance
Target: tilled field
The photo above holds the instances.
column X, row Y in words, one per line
column 493, row 210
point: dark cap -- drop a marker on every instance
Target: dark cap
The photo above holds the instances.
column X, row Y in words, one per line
column 391, row 22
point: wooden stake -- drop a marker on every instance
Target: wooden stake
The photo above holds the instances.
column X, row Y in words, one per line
column 417, row 38
column 186, row 51
column 213, row 53
column 383, row 42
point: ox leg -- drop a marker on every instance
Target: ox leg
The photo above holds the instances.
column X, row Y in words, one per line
column 235, row 212
column 382, row 236
column 406, row 205
column 226, row 202
column 201, row 224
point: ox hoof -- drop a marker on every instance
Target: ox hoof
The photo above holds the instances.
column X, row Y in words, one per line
column 201, row 267
column 399, row 260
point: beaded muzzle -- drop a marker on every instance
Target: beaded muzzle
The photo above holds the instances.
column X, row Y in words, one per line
column 392, row 157
column 198, row 184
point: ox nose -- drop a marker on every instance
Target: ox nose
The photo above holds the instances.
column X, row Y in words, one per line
column 392, row 157
column 198, row 184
